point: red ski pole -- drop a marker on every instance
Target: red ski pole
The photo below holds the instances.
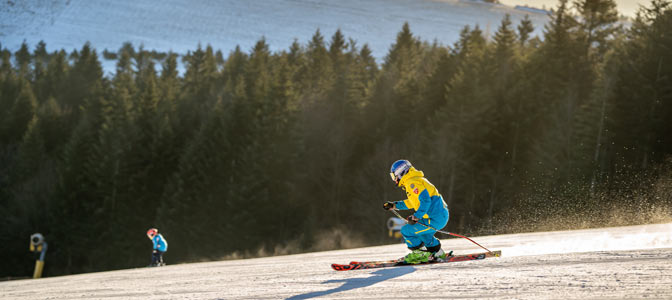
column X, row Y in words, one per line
column 445, row 232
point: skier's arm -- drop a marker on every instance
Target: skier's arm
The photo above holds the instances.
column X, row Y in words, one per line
column 163, row 244
column 401, row 205
column 425, row 202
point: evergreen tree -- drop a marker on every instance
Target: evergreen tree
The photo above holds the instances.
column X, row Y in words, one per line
column 290, row 76
column 502, row 73
column 23, row 61
column 503, row 57
column 461, row 126
column 361, row 76
column 337, row 47
column 597, row 29
column 640, row 105
column 201, row 75
column 369, row 63
column 555, row 66
column 40, row 62
column 124, row 77
column 169, row 82
column 397, row 92
column 87, row 75
column 596, row 26
column 204, row 183
column 201, row 82
column 31, row 151
column 55, row 81
column 76, row 202
column 21, row 113
column 317, row 72
column 53, row 132
column 257, row 75
column 9, row 91
column 525, row 29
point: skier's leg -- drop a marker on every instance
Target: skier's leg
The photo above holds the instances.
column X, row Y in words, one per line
column 155, row 258
column 412, row 233
column 414, row 237
column 431, row 242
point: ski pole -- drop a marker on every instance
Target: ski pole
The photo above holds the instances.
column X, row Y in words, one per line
column 445, row 232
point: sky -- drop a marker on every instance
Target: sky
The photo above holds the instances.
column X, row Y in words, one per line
column 626, row 7
column 171, row 26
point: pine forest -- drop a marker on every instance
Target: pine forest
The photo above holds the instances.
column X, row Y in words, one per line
column 255, row 153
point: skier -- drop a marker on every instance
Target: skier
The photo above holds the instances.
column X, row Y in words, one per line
column 430, row 209
column 160, row 247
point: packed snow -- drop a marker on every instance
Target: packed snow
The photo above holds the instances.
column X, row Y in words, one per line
column 631, row 262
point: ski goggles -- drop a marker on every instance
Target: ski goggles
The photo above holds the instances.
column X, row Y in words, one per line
column 394, row 177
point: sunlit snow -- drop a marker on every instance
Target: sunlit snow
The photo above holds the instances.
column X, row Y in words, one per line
column 631, row 262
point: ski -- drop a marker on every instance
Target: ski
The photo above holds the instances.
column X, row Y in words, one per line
column 358, row 265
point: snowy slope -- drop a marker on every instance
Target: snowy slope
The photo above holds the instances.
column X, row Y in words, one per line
column 180, row 25
column 611, row 263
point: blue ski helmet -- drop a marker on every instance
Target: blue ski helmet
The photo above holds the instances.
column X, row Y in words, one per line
column 399, row 169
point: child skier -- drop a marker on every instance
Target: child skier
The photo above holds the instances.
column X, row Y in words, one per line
column 160, row 246
column 430, row 209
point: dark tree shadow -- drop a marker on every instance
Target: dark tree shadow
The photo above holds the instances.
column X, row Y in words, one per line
column 355, row 283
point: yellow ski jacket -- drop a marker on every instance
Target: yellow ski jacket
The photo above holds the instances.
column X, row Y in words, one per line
column 423, row 197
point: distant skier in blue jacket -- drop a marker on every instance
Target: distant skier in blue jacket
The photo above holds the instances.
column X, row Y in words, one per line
column 160, row 246
column 430, row 209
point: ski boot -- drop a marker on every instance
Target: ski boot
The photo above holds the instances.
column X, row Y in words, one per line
column 437, row 254
column 415, row 257
column 440, row 255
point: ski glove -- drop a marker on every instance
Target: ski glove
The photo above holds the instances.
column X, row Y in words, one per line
column 388, row 205
column 412, row 220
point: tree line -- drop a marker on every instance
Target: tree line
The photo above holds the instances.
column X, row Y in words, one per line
column 264, row 153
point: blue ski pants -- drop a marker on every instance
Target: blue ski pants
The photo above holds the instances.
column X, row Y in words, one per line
column 416, row 235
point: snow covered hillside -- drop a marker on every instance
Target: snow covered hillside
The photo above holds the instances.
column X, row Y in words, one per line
column 609, row 263
column 180, row 25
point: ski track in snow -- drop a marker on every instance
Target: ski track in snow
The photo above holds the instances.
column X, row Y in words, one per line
column 633, row 262
column 181, row 25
